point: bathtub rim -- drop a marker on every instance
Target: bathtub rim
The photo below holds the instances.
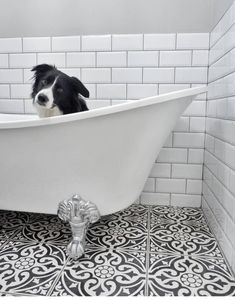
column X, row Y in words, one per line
column 104, row 110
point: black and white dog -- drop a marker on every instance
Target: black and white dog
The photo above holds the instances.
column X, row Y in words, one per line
column 55, row 93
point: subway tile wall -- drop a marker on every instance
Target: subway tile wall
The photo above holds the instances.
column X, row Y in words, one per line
column 116, row 68
column 218, row 200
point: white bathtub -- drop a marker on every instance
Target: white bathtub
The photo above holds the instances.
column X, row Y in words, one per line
column 105, row 154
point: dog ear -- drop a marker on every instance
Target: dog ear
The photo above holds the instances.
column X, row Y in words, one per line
column 79, row 87
column 41, row 69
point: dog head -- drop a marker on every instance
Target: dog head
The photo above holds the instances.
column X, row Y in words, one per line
column 55, row 93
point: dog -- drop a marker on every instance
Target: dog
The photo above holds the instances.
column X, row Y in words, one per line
column 54, row 93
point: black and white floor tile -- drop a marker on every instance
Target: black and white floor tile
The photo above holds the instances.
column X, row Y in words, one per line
column 143, row 250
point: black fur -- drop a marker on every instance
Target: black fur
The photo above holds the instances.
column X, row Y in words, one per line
column 66, row 91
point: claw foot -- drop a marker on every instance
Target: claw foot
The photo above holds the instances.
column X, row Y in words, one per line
column 75, row 249
column 79, row 213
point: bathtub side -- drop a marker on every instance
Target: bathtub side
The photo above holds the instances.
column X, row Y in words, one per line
column 105, row 159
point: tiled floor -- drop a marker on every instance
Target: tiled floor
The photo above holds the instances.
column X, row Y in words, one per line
column 144, row 250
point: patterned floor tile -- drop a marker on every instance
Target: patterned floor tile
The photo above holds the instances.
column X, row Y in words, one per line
column 183, row 239
column 48, row 228
column 193, row 217
column 174, row 275
column 142, row 250
column 104, row 273
column 30, row 268
column 181, row 231
column 127, row 229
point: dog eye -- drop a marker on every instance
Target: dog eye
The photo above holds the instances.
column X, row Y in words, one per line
column 59, row 90
column 44, row 82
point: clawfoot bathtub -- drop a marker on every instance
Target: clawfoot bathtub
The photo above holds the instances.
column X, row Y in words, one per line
column 105, row 155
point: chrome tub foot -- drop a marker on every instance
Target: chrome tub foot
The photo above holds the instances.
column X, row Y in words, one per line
column 79, row 213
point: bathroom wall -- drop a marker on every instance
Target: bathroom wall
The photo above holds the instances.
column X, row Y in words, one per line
column 117, row 68
column 73, row 17
column 219, row 166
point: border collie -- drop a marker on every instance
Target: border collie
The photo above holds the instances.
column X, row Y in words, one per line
column 55, row 93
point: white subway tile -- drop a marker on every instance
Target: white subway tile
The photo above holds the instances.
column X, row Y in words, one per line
column 28, row 76
column 158, row 75
column 192, row 40
column 197, row 124
column 66, row 43
column 209, row 143
column 223, row 66
column 143, row 58
column 200, row 58
column 216, row 229
column 126, row 75
column 169, row 155
column 11, row 76
column 57, row 59
column 161, row 170
column 4, row 91
column 28, row 107
column 182, row 124
column 155, row 199
column 159, row 41
column 127, row 42
column 190, row 140
column 96, row 75
column 96, row 43
column 231, row 108
column 196, row 108
column 186, row 200
column 138, row 91
column 170, row 185
column 81, row 59
column 168, row 88
column 24, row 60
column 229, row 230
column 223, row 25
column 228, row 202
column 221, row 108
column 21, row 90
column 175, row 58
column 36, row 44
column 224, row 45
column 92, row 90
column 186, row 171
column 168, row 142
column 3, row 60
column 111, row 91
column 211, row 108
column 9, row 45
column 202, row 96
column 111, row 59
column 223, row 174
column 191, row 75
column 12, row 106
column 229, row 155
column 149, row 185
column 195, row 156
column 75, row 72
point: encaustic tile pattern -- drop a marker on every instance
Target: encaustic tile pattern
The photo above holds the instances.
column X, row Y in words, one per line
column 143, row 250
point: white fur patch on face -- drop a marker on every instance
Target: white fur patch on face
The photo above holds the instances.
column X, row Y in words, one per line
column 47, row 110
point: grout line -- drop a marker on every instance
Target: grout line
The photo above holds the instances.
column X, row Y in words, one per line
column 57, row 277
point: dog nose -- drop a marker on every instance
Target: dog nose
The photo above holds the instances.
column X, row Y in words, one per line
column 42, row 99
